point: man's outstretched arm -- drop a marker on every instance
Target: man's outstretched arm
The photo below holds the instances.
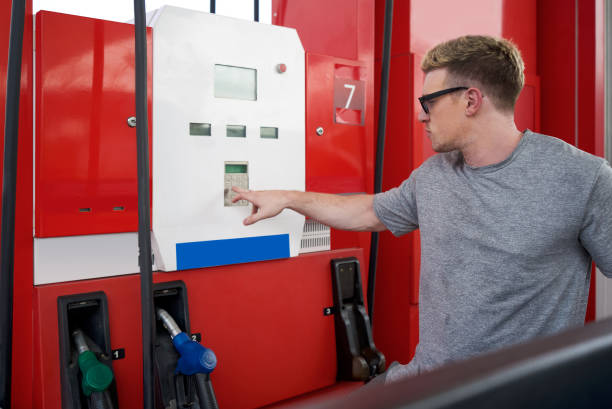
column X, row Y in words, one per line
column 354, row 212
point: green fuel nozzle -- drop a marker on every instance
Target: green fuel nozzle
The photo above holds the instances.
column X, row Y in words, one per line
column 97, row 377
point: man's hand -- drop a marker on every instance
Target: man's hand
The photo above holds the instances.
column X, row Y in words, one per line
column 352, row 212
column 266, row 203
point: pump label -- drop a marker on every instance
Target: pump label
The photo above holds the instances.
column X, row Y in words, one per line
column 118, row 353
column 349, row 95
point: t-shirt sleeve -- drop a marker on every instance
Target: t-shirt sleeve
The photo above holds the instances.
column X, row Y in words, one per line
column 397, row 208
column 596, row 233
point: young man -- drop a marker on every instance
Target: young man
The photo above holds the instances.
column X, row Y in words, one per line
column 509, row 220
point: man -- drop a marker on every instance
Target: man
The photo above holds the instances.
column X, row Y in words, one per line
column 509, row 220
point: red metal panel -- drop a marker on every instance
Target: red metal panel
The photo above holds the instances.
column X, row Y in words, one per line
column 21, row 390
column 325, row 27
column 125, row 330
column 336, row 161
column 320, row 396
column 519, row 19
column 556, row 52
column 413, row 339
column 527, row 110
column 339, row 28
column 519, row 24
column 340, row 160
column 264, row 321
column 400, row 42
column 85, row 151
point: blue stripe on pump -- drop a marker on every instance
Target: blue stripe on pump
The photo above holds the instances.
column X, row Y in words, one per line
column 231, row 251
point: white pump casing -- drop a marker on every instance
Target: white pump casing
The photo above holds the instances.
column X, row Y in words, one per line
column 192, row 227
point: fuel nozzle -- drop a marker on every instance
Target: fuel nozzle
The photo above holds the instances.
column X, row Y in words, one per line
column 97, row 377
column 194, row 357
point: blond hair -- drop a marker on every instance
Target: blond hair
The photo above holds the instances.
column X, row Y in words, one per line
column 493, row 64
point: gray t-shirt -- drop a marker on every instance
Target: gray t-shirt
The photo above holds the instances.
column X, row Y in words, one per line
column 506, row 249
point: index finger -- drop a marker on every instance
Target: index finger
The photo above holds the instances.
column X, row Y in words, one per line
column 242, row 194
column 239, row 189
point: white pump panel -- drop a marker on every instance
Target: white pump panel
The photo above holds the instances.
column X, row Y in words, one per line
column 224, row 113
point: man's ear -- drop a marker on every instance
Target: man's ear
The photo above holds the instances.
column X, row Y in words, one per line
column 474, row 101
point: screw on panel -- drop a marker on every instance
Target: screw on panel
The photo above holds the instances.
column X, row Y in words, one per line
column 320, row 131
column 131, row 121
column 281, row 68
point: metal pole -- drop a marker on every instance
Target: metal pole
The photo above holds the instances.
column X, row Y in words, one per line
column 9, row 185
column 144, row 209
column 380, row 147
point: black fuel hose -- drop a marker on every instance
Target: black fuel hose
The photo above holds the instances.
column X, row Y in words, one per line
column 9, row 188
column 256, row 10
column 144, row 208
column 100, row 400
column 380, row 147
column 206, row 394
column 213, row 6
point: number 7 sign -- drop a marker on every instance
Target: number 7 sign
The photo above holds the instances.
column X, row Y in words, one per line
column 349, row 101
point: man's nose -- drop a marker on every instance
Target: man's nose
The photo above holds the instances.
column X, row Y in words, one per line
column 422, row 117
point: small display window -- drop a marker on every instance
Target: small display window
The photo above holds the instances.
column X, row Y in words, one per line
column 236, row 131
column 199, row 129
column 267, row 132
column 235, row 82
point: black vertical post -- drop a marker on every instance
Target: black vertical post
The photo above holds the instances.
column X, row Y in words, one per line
column 256, row 10
column 380, row 146
column 144, row 209
column 9, row 189
column 213, row 6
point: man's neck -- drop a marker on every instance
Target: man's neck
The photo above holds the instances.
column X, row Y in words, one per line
column 491, row 142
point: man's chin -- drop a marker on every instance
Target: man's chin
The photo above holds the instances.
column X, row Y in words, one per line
column 441, row 148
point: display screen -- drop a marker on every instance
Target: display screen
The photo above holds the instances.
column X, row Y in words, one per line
column 236, row 131
column 267, row 132
column 199, row 129
column 235, row 82
column 235, row 168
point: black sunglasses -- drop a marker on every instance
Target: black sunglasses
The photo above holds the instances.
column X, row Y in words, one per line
column 425, row 98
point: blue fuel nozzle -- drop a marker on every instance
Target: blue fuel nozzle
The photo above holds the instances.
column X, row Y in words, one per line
column 195, row 358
